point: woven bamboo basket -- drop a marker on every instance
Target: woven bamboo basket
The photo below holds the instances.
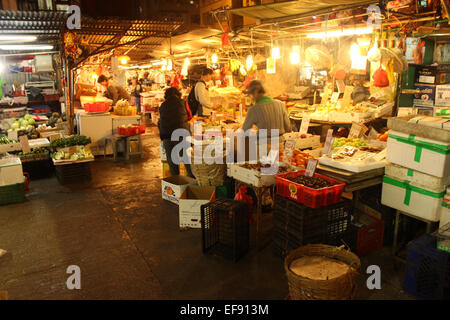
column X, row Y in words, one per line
column 340, row 288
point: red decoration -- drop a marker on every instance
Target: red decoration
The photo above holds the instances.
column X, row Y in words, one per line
column 225, row 39
column 380, row 78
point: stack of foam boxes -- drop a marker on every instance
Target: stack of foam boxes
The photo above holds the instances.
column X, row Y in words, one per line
column 418, row 171
column 12, row 181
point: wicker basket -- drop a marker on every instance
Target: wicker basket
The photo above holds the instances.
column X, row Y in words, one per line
column 341, row 288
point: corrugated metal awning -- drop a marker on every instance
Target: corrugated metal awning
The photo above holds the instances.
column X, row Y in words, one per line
column 278, row 10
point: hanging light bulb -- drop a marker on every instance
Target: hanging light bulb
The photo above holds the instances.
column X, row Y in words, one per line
column 275, row 53
column 214, row 58
column 124, row 59
column 187, row 62
column 358, row 61
column 249, row 62
column 169, row 65
column 295, row 55
column 270, row 66
column 242, row 70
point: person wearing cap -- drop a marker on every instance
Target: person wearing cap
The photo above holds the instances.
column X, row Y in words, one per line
column 267, row 113
column 202, row 94
column 115, row 93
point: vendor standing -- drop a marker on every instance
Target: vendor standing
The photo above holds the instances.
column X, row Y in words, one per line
column 113, row 92
column 136, row 90
column 202, row 95
column 267, row 113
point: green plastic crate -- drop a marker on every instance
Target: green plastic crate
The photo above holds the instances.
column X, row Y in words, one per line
column 14, row 193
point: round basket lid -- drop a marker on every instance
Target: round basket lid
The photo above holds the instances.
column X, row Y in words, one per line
column 400, row 62
column 318, row 57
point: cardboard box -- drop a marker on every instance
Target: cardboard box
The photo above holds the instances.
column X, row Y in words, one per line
column 173, row 187
column 426, row 96
column 433, row 74
column 11, row 171
column 442, row 95
column 402, row 112
column 190, row 205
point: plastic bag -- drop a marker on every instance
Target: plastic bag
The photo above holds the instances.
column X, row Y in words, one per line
column 380, row 78
column 243, row 196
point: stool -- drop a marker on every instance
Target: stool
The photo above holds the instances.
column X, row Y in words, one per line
column 116, row 139
column 130, row 139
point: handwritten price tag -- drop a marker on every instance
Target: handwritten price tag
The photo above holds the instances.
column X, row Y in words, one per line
column 305, row 124
column 357, row 130
column 25, row 145
column 289, row 147
column 311, row 167
column 12, row 135
column 328, row 142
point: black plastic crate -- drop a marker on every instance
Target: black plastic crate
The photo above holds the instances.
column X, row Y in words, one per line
column 427, row 272
column 226, row 228
column 339, row 216
column 73, row 173
column 14, row 193
column 39, row 169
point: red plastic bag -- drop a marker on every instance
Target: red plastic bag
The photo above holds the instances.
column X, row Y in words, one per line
column 380, row 78
column 243, row 196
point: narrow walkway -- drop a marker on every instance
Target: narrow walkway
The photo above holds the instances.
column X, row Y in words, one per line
column 126, row 241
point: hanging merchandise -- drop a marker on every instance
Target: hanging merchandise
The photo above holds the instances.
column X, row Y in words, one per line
column 418, row 52
column 380, row 78
column 225, row 39
column 390, row 70
column 74, row 49
column 338, row 72
column 270, row 66
column 374, row 54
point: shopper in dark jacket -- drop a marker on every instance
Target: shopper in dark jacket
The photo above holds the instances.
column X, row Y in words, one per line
column 173, row 116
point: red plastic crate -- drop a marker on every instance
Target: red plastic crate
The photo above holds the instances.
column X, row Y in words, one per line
column 131, row 131
column 313, row 198
column 370, row 238
column 96, row 107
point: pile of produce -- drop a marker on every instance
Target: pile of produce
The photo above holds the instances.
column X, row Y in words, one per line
column 259, row 166
column 34, row 155
column 318, row 268
column 300, row 159
column 22, row 124
column 5, row 140
column 81, row 154
column 75, row 140
column 123, row 108
column 311, row 182
column 383, row 136
column 348, row 142
column 55, row 119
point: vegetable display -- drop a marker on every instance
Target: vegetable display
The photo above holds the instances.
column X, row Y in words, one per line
column 5, row 140
column 75, row 140
column 348, row 142
column 82, row 154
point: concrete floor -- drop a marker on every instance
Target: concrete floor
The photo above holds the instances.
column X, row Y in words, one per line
column 126, row 241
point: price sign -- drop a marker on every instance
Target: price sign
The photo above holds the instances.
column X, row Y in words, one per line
column 25, row 145
column 357, row 129
column 347, row 96
column 328, row 142
column 334, row 97
column 289, row 147
column 305, row 124
column 12, row 135
column 373, row 134
column 311, row 167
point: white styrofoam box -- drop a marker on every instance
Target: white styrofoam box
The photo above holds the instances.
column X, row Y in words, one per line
column 384, row 109
column 311, row 141
column 11, row 171
column 43, row 63
column 445, row 214
column 442, row 95
column 173, row 187
column 419, row 153
column 416, row 201
column 190, row 205
column 163, row 152
column 416, row 178
column 250, row 176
